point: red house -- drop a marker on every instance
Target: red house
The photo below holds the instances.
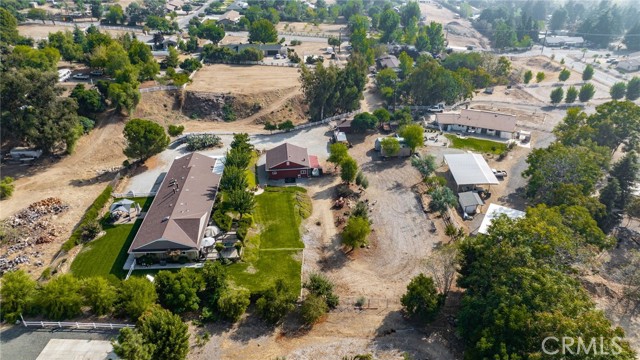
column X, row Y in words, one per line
column 290, row 162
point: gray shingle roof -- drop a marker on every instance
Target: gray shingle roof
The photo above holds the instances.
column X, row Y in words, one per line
column 287, row 152
column 479, row 119
column 182, row 206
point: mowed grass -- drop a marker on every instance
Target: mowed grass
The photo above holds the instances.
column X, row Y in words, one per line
column 276, row 251
column 277, row 216
column 479, row 145
column 250, row 171
column 106, row 256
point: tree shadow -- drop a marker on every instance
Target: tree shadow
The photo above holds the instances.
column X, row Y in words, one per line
column 334, row 256
column 251, row 328
column 100, row 178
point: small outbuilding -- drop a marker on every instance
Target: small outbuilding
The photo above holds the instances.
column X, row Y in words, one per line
column 345, row 126
column 291, row 162
column 469, row 202
column 469, row 171
column 496, row 210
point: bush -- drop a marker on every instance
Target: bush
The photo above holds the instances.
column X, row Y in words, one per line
column 275, row 302
column 6, row 187
column 90, row 230
column 233, row 303
column 175, row 130
column 243, row 226
column 202, row 141
column 422, row 300
column 91, row 215
column 319, row 285
column 295, row 42
column 60, row 298
column 222, row 220
column 87, row 124
column 313, row 309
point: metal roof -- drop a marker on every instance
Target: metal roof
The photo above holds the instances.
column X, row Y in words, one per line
column 496, row 210
column 479, row 119
column 182, row 206
column 469, row 198
column 470, row 169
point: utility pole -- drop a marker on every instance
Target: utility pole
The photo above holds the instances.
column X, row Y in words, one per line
column 545, row 40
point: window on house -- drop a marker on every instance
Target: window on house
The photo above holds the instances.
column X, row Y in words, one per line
column 303, row 171
column 274, row 173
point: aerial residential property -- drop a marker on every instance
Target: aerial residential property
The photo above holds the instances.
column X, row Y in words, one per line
column 307, row 179
column 175, row 223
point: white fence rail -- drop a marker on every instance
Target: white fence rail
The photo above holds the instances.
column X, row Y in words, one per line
column 309, row 34
column 133, row 194
column 159, row 88
column 76, row 325
column 261, row 63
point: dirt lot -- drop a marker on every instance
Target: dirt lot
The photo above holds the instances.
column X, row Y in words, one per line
column 76, row 179
column 41, row 31
column 308, row 28
column 244, row 79
column 460, row 32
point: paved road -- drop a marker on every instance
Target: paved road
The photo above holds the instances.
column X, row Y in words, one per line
column 21, row 343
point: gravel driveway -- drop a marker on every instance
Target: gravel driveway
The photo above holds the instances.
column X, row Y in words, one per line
column 315, row 139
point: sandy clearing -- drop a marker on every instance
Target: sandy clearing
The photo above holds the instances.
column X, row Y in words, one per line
column 40, row 31
column 243, row 79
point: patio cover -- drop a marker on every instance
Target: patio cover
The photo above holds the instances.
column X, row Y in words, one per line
column 122, row 205
column 470, row 169
column 496, row 210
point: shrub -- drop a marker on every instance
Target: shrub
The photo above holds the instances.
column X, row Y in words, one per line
column 313, row 309
column 422, row 299
column 222, row 220
column 87, row 124
column 90, row 215
column 202, row 141
column 233, row 303
column 60, row 298
column 6, row 187
column 295, row 42
column 175, row 130
column 90, row 230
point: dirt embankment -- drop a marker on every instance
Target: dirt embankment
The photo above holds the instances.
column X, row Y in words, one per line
column 166, row 107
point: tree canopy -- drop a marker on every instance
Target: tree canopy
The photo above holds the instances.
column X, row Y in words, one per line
column 263, row 31
column 144, row 139
column 356, row 232
column 422, row 299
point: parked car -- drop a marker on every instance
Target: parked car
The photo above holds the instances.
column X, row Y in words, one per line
column 96, row 73
column 81, row 76
column 488, row 90
column 499, row 173
column 277, row 56
column 436, row 108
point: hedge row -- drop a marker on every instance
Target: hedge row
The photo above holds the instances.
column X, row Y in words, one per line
column 223, row 220
column 243, row 226
column 91, row 215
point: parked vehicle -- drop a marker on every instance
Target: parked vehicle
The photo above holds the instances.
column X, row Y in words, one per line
column 277, row 56
column 436, row 108
column 499, row 173
column 488, row 90
column 63, row 75
column 96, row 73
column 81, row 76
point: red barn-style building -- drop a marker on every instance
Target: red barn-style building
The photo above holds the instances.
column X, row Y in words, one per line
column 288, row 161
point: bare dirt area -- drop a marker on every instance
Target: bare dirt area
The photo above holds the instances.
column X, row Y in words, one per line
column 239, row 79
column 380, row 273
column 460, row 32
column 75, row 179
column 308, row 28
column 41, row 31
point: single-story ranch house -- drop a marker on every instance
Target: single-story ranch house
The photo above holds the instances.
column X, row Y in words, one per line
column 481, row 122
column 267, row 49
column 175, row 223
column 288, row 161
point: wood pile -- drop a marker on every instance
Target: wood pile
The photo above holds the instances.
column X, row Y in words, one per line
column 29, row 227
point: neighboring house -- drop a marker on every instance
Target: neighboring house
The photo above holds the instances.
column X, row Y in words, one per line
column 560, row 40
column 162, row 46
column 481, row 122
column 404, row 149
column 497, row 210
column 388, row 61
column 238, row 5
column 289, row 162
column 231, row 17
column 345, row 126
column 630, row 65
column 175, row 224
column 470, row 170
column 469, row 202
column 174, row 5
column 267, row 49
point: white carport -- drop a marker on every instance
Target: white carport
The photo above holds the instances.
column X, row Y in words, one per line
column 496, row 210
column 470, row 170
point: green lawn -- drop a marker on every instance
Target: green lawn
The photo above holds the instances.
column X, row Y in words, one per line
column 479, row 145
column 251, row 174
column 277, row 215
column 106, row 256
